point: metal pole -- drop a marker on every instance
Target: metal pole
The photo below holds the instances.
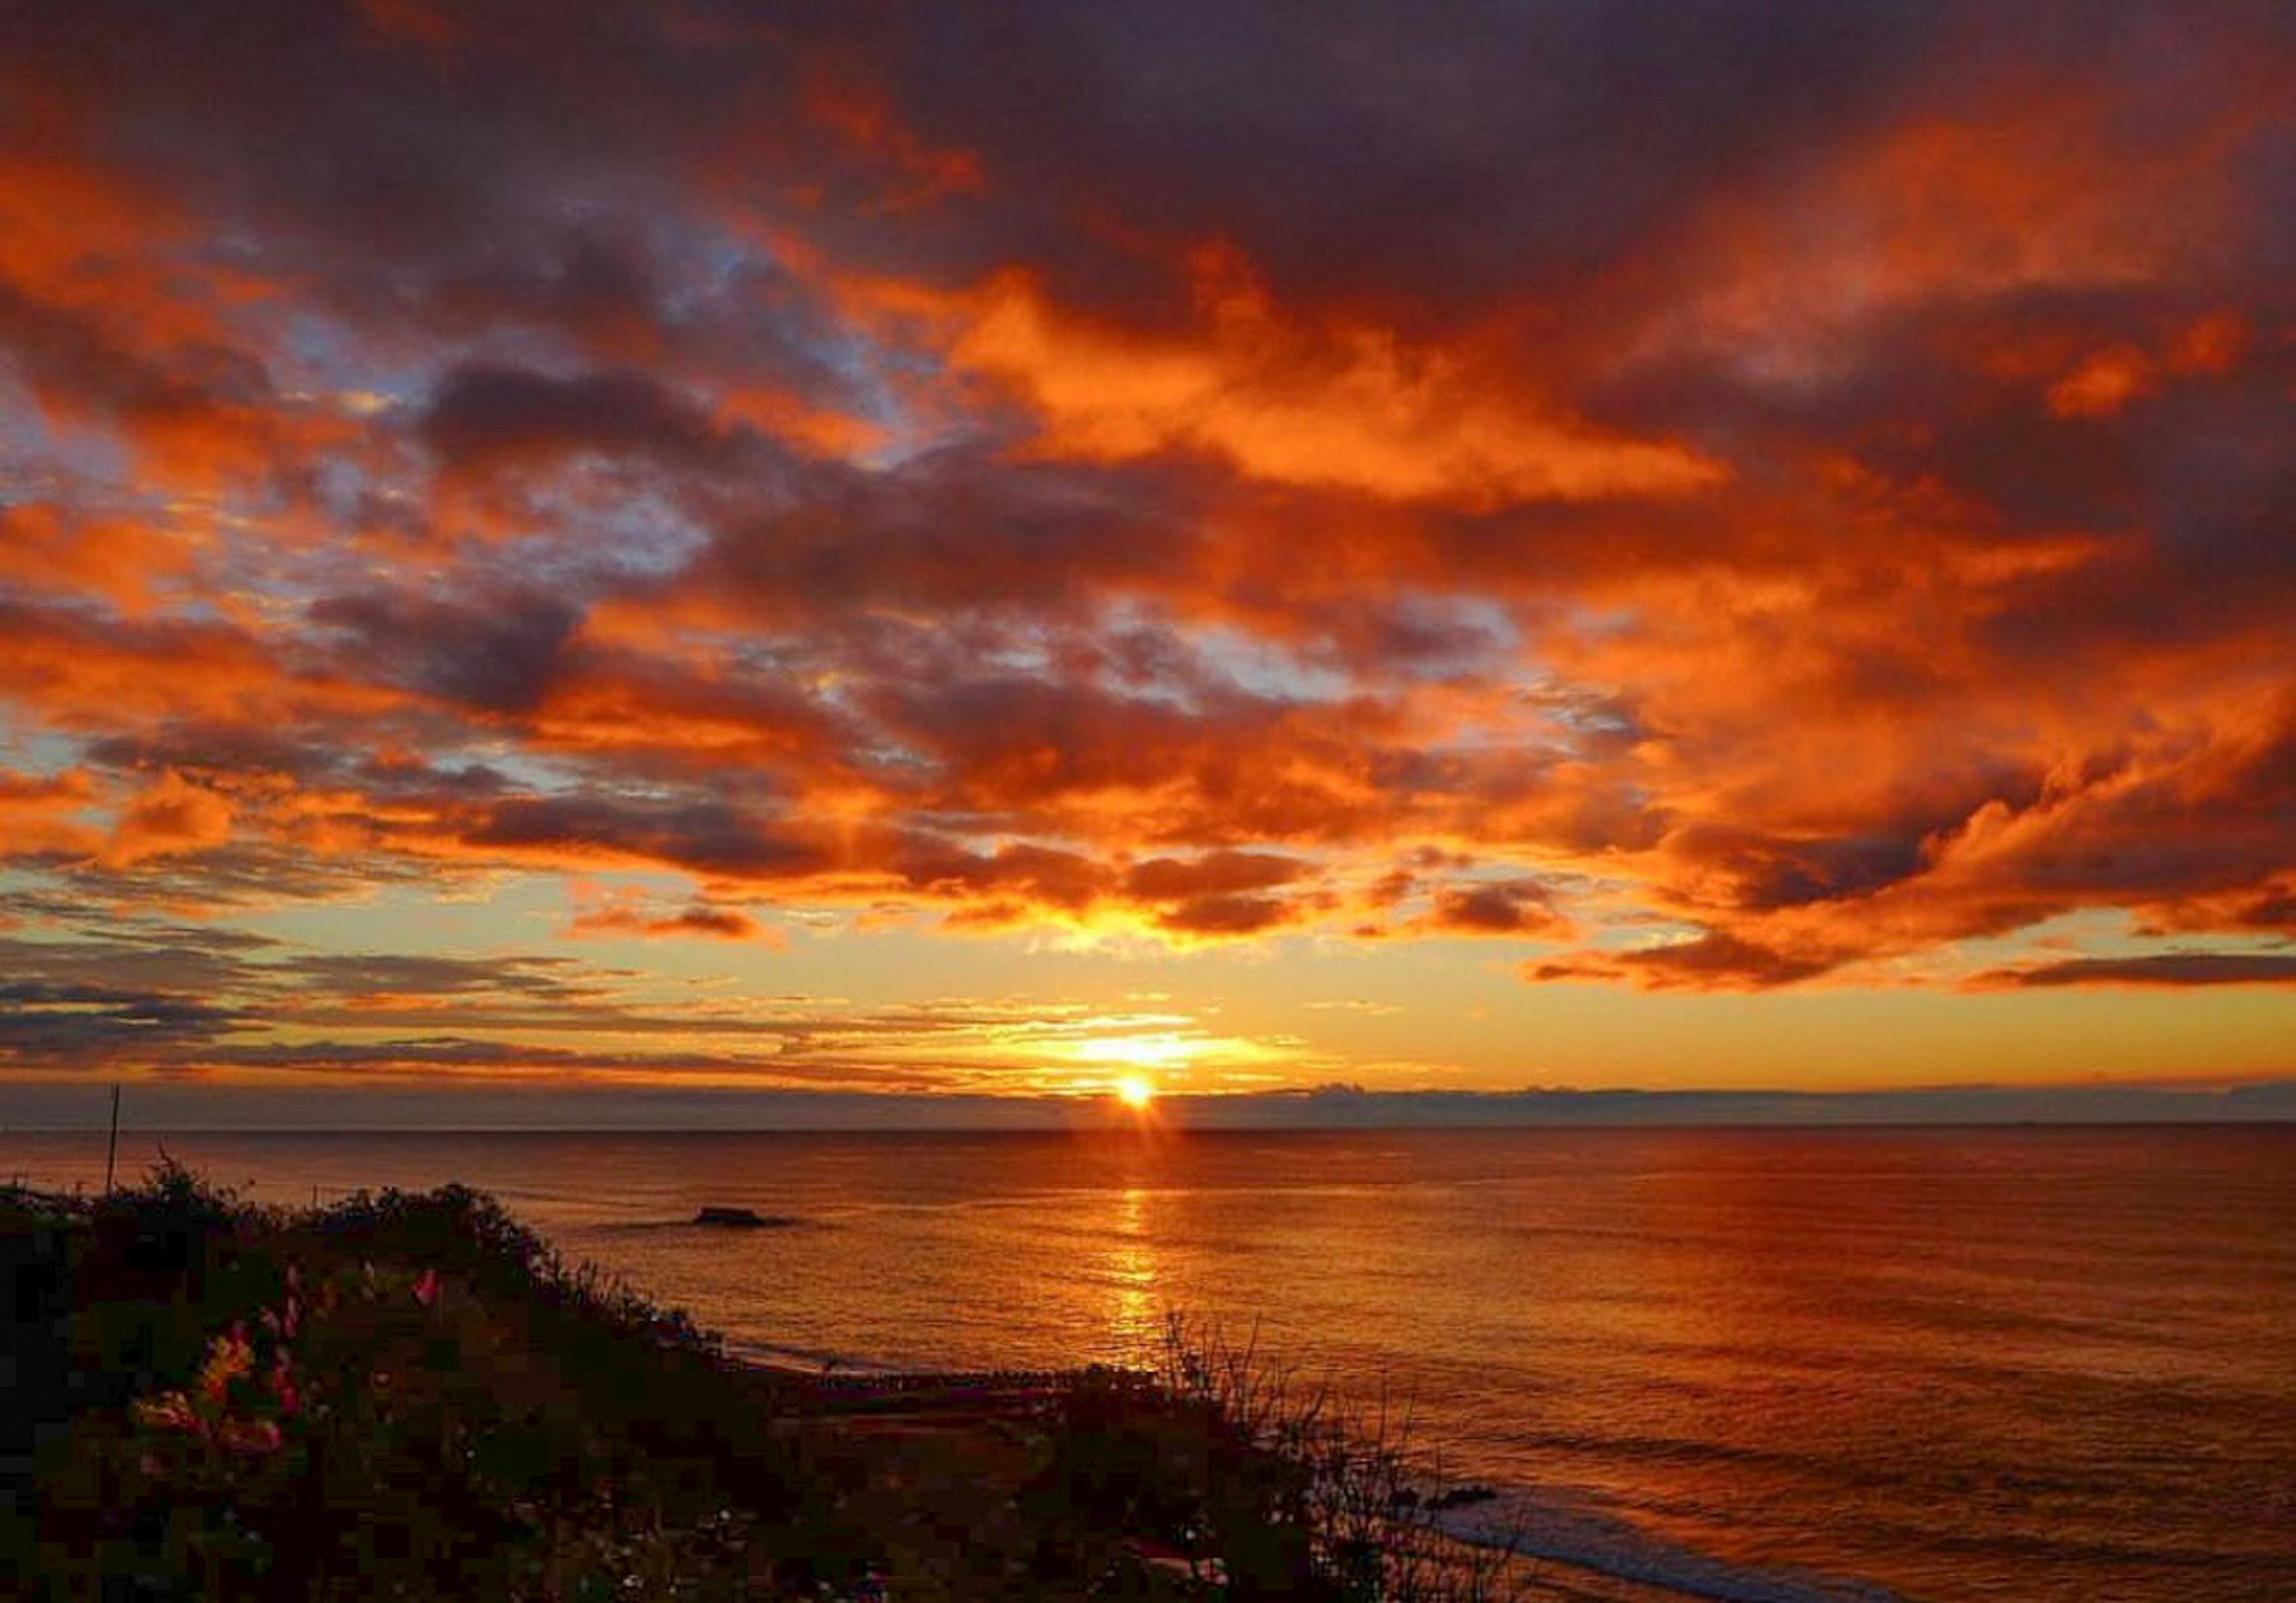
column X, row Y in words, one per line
column 111, row 1152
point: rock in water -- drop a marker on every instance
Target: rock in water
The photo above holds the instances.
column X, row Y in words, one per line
column 738, row 1218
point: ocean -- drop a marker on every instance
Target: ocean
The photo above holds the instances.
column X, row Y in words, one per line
column 2054, row 1365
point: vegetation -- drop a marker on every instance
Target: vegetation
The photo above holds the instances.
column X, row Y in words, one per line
column 413, row 1397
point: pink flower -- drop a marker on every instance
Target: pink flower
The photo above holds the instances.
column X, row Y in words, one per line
column 283, row 1386
column 426, row 1288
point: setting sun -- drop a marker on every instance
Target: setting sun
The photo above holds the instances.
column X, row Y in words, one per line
column 1584, row 708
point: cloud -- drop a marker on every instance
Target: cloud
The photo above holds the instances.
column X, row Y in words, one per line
column 40, row 815
column 170, row 817
column 1350, row 410
column 1518, row 907
column 715, row 923
column 1226, row 915
column 58, row 551
column 497, row 654
column 704, row 837
column 1172, row 878
column 2173, row 968
column 486, row 419
column 994, row 475
column 48, row 1026
column 1716, row 960
column 149, row 997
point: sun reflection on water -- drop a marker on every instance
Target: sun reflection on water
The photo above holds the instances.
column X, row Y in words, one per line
column 1136, row 1314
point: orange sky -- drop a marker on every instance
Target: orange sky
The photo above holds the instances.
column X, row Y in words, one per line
column 1000, row 549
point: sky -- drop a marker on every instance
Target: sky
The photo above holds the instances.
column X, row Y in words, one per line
column 988, row 549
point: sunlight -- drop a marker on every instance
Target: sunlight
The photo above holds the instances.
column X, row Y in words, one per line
column 1135, row 1093
column 1157, row 1049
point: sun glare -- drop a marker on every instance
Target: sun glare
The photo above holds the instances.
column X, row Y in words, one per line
column 1135, row 1093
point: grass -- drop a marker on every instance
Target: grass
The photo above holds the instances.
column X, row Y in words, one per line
column 412, row 1395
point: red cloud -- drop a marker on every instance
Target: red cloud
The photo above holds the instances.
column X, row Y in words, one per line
column 41, row 816
column 171, row 817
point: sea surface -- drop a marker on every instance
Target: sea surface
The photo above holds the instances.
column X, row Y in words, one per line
column 1769, row 1366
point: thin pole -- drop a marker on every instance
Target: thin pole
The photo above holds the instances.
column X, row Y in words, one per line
column 111, row 1152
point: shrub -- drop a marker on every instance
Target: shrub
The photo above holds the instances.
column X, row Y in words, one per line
column 1302, row 1498
column 399, row 1395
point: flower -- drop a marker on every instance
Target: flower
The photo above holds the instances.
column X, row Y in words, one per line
column 284, row 1387
column 228, row 1358
column 426, row 1288
column 170, row 1410
column 251, row 1436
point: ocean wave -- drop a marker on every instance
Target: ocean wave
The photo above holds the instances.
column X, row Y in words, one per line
column 1569, row 1528
column 783, row 1355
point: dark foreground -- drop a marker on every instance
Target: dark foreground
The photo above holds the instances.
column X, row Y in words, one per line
column 411, row 1396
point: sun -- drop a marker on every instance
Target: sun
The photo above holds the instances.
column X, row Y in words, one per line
column 1135, row 1093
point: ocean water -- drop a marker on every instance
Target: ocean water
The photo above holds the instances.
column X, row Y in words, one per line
column 1771, row 1366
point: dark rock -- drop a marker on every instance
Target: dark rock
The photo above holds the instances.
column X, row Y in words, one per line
column 738, row 1218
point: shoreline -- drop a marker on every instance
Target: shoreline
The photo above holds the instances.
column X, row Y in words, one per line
column 981, row 1409
column 913, row 1480
column 947, row 1447
column 956, row 1400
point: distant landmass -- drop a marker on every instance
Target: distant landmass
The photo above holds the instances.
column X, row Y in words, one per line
column 177, row 1106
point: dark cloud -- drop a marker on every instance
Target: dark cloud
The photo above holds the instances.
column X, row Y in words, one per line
column 484, row 418
column 1515, row 907
column 68, row 361
column 45, row 1025
column 704, row 837
column 2277, row 911
column 1482, row 150
column 1769, row 872
column 1227, row 915
column 131, row 956
column 355, row 975
column 958, row 526
column 425, row 1057
column 934, row 866
column 1172, row 878
column 2178, row 969
column 1717, row 961
column 494, row 654
column 594, row 280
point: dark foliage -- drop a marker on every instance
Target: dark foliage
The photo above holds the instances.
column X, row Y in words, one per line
column 412, row 1395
